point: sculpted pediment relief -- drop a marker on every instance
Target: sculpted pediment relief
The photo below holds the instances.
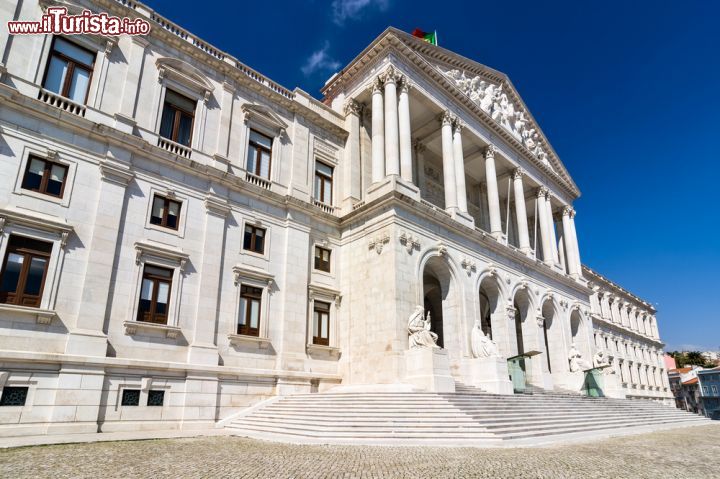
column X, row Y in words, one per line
column 499, row 105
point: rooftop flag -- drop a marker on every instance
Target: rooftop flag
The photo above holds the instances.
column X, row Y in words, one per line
column 428, row 37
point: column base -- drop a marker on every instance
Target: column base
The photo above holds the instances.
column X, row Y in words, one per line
column 429, row 370
column 392, row 183
column 489, row 374
column 464, row 218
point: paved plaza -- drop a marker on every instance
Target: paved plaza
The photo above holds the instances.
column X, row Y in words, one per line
column 692, row 452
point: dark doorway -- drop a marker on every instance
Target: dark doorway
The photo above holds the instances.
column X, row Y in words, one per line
column 432, row 295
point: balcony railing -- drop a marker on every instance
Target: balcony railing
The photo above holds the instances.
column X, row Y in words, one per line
column 257, row 180
column 175, row 148
column 61, row 102
column 325, row 207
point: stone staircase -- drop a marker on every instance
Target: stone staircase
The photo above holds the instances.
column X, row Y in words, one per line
column 466, row 417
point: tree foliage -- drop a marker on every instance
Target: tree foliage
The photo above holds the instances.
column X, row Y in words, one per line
column 690, row 358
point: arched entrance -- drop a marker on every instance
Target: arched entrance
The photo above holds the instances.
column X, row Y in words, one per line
column 523, row 328
column 555, row 356
column 578, row 334
column 440, row 297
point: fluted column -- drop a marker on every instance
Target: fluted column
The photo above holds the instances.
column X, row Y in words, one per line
column 551, row 231
column 406, row 167
column 459, row 167
column 569, row 244
column 544, row 223
column 448, row 161
column 378, row 132
column 492, row 193
column 520, row 211
column 392, row 145
column 352, row 171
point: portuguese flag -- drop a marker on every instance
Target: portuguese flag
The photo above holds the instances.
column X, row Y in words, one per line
column 428, row 37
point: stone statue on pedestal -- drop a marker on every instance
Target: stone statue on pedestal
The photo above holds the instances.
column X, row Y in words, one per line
column 419, row 330
column 480, row 345
column 601, row 361
column 577, row 363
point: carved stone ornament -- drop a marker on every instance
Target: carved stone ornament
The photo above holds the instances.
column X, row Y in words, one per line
column 446, row 118
column 353, row 107
column 442, row 249
column 540, row 320
column 468, row 265
column 503, row 108
column 511, row 313
column 518, row 173
column 542, row 192
column 410, row 242
column 490, row 152
column 376, row 85
column 390, row 75
column 378, row 242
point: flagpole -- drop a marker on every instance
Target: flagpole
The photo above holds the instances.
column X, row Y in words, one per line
column 436, row 40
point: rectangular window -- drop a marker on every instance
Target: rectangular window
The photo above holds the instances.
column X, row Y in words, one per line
column 250, row 303
column 705, row 390
column 155, row 294
column 321, row 323
column 156, row 397
column 177, row 119
column 254, row 239
column 322, row 259
column 259, row 154
column 130, row 397
column 24, row 271
column 14, row 396
column 323, row 183
column 69, row 70
column 44, row 177
column 714, row 390
column 165, row 212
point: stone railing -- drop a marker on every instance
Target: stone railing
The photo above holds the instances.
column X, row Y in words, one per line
column 61, row 102
column 175, row 148
column 257, row 180
column 358, row 205
column 325, row 207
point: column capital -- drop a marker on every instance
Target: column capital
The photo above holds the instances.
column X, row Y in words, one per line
column 390, row 76
column 490, row 152
column 567, row 209
column 405, row 84
column 352, row 107
column 542, row 192
column 376, row 85
column 458, row 124
column 446, row 118
column 518, row 173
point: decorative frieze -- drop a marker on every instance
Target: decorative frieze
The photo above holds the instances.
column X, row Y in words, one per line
column 378, row 242
column 409, row 242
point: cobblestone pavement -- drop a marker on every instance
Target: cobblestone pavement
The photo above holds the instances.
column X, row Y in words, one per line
column 692, row 452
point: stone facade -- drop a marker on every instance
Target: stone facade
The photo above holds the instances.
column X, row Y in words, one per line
column 418, row 208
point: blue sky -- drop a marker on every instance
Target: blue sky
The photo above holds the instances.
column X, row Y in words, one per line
column 627, row 92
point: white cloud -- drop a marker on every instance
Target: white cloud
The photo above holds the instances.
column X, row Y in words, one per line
column 320, row 61
column 344, row 9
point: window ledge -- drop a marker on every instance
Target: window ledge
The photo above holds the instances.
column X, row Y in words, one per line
column 322, row 349
column 42, row 316
column 132, row 327
column 262, row 343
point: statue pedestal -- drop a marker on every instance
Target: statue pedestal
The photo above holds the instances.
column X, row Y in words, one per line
column 429, row 369
column 612, row 387
column 569, row 381
column 489, row 374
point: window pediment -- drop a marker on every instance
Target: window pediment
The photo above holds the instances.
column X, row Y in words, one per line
column 36, row 221
column 172, row 257
column 244, row 272
column 186, row 75
column 265, row 116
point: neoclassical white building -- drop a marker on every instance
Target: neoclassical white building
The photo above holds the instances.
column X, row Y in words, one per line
column 182, row 237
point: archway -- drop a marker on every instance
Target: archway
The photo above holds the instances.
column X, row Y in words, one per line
column 578, row 334
column 490, row 305
column 523, row 328
column 555, row 355
column 441, row 299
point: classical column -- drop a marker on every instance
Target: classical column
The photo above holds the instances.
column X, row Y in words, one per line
column 574, row 241
column 352, row 171
column 551, row 231
column 459, row 167
column 557, row 219
column 520, row 212
column 544, row 223
column 406, row 166
column 392, row 158
column 492, row 193
column 378, row 132
column 420, row 164
column 448, row 162
column 569, row 244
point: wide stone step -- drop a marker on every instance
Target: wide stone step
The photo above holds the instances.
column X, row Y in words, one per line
column 587, row 428
column 530, row 428
column 333, row 429
column 362, row 434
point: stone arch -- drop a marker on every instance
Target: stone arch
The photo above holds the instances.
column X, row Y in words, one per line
column 492, row 310
column 440, row 292
column 553, row 339
column 579, row 332
column 524, row 325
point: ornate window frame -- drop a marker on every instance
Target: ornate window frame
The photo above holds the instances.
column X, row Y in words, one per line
column 334, row 298
column 172, row 195
column 244, row 275
column 186, row 80
column 54, row 156
column 263, row 120
column 45, row 228
column 163, row 256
